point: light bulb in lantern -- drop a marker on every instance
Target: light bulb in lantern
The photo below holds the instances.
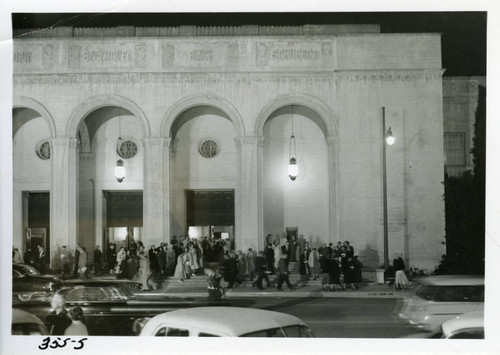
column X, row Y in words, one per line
column 119, row 171
column 293, row 169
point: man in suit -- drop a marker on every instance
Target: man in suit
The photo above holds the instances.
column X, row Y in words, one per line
column 283, row 272
column 42, row 259
column 260, row 270
column 97, row 260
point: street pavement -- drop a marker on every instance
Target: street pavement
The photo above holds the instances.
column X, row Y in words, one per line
column 196, row 287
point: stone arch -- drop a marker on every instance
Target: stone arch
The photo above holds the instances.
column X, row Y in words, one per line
column 100, row 101
column 26, row 102
column 210, row 100
column 323, row 110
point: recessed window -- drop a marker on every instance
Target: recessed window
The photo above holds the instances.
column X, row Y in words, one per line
column 127, row 149
column 42, row 149
column 208, row 148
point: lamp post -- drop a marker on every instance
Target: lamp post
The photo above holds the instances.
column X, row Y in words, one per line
column 387, row 138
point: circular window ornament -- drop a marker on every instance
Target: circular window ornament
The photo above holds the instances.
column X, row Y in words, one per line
column 126, row 148
column 42, row 149
column 208, row 148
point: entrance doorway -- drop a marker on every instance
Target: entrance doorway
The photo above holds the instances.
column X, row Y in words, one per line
column 122, row 222
column 36, row 224
column 210, row 213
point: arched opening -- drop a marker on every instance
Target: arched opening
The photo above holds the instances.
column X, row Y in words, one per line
column 103, row 201
column 31, row 134
column 203, row 173
column 300, row 206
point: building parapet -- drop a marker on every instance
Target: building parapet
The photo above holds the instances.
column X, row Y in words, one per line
column 183, row 31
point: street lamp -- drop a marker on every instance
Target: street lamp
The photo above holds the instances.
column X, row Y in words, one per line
column 388, row 138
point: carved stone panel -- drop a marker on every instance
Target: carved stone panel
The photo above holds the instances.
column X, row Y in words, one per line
column 27, row 56
column 168, row 55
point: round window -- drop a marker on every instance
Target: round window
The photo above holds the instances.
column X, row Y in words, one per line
column 42, row 149
column 126, row 149
column 208, row 148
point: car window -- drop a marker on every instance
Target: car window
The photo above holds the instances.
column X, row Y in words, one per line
column 27, row 270
column 28, row 329
column 207, row 335
column 110, row 293
column 172, row 332
column 296, row 331
column 451, row 293
column 467, row 334
column 267, row 333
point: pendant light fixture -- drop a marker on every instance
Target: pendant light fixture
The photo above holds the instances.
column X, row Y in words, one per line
column 293, row 168
column 119, row 168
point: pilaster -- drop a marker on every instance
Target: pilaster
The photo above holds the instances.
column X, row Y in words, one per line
column 249, row 233
column 64, row 192
column 156, row 209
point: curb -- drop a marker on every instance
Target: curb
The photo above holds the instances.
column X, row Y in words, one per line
column 288, row 294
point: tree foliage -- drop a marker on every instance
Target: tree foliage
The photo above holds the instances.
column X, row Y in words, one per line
column 465, row 207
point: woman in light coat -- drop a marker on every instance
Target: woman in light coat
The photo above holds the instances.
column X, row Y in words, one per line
column 313, row 263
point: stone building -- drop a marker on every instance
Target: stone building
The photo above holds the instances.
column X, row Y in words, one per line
column 205, row 117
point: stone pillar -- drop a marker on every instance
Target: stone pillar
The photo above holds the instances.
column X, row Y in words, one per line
column 63, row 194
column 156, row 218
column 248, row 221
column 334, row 226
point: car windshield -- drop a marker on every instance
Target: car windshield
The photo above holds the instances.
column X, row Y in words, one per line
column 451, row 293
column 97, row 293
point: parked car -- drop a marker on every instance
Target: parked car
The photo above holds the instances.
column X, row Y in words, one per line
column 226, row 322
column 439, row 298
column 112, row 307
column 28, row 283
column 25, row 323
column 469, row 325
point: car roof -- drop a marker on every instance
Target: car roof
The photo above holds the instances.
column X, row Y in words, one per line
column 463, row 321
column 453, row 280
column 99, row 283
column 20, row 316
column 232, row 321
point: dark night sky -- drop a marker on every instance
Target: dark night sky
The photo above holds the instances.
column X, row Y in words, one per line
column 463, row 33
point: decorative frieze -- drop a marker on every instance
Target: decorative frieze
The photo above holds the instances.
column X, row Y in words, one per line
column 246, row 79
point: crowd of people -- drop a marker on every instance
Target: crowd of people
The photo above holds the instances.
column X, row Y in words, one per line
column 185, row 258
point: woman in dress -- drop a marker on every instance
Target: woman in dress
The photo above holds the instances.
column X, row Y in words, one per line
column 242, row 266
column 277, row 254
column 144, row 274
column 180, row 268
column 120, row 258
column 170, row 260
column 303, row 268
column 193, row 257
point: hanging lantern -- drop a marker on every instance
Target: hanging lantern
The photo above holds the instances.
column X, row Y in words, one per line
column 389, row 138
column 293, row 168
column 119, row 170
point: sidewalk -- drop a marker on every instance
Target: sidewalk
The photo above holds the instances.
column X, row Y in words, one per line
column 196, row 287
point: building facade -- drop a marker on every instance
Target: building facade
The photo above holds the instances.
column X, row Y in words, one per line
column 202, row 118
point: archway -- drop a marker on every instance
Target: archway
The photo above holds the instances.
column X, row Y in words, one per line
column 308, row 204
column 203, row 161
